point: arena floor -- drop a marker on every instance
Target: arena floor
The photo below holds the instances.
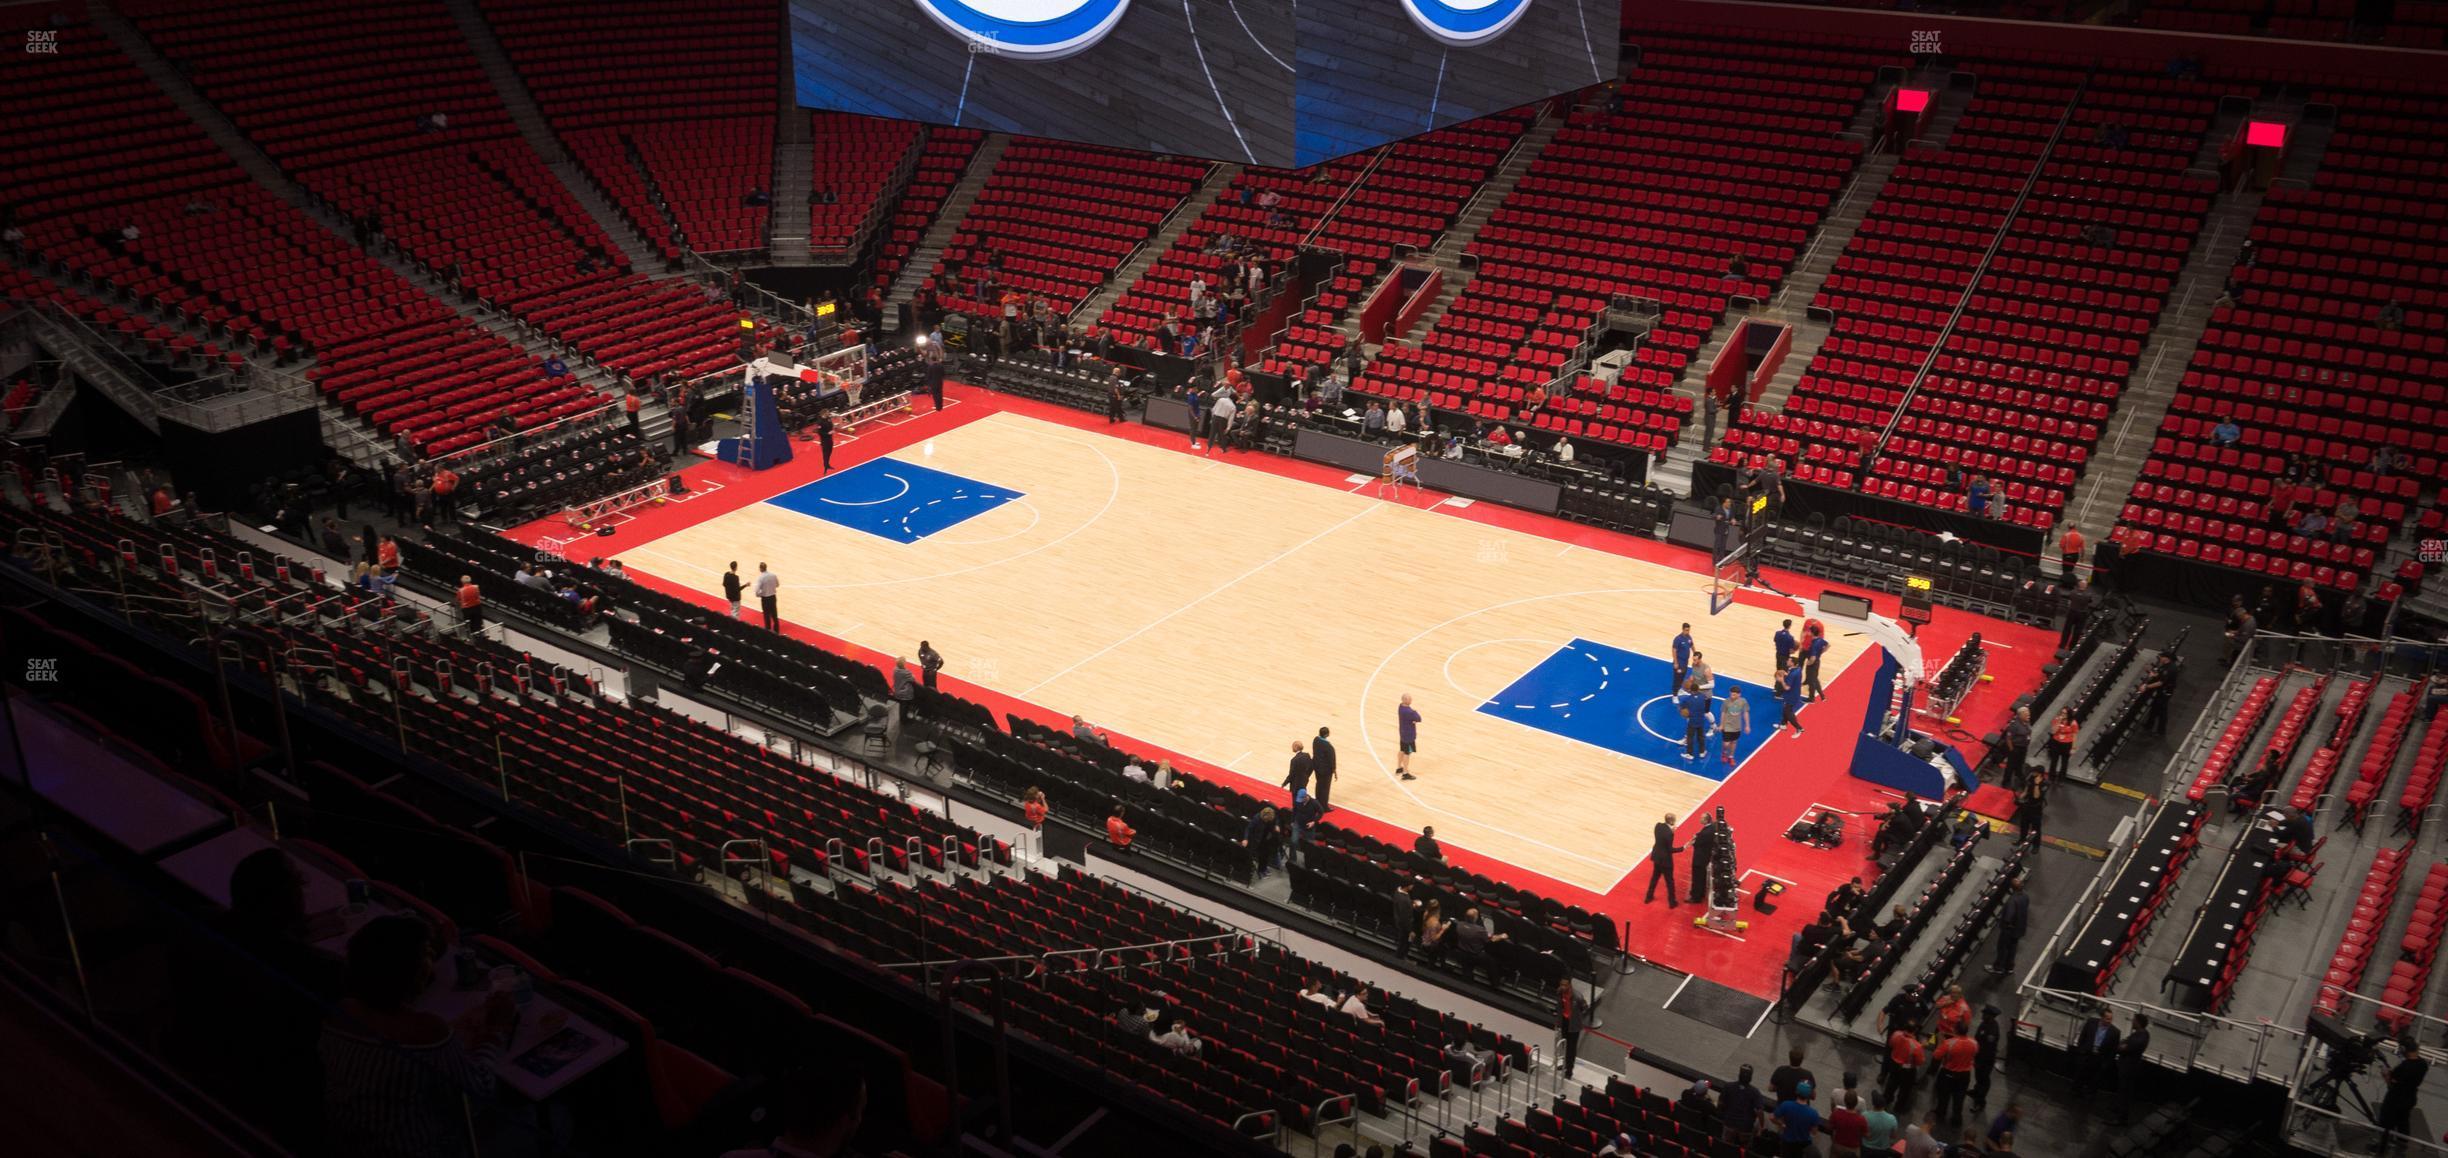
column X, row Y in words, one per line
column 1219, row 608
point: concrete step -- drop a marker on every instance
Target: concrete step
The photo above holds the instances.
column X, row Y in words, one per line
column 167, row 77
column 948, row 218
column 627, row 235
column 787, row 228
column 1446, row 253
column 1844, row 219
column 1220, row 177
column 2117, row 462
column 1484, row 201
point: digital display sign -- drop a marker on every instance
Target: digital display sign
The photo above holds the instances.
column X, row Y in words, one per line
column 1279, row 83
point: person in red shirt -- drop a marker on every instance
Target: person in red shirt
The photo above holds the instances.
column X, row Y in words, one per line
column 387, row 555
column 1846, row 1126
column 445, row 492
column 629, row 406
column 2069, row 551
column 1033, row 807
column 163, row 502
column 1954, row 1013
column 1953, row 1061
column 1117, row 832
column 471, row 605
column 1901, row 1065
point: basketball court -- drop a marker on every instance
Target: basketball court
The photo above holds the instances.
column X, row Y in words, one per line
column 1219, row 608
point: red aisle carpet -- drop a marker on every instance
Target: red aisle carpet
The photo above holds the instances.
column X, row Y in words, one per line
column 1788, row 778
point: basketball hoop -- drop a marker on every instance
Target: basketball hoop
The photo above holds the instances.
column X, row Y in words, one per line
column 1400, row 465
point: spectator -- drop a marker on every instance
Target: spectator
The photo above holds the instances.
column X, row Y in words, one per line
column 2062, row 732
column 395, row 1076
column 1880, row 1135
column 2226, row 433
column 1847, row 1127
column 1471, row 938
column 1180, row 1040
column 1433, row 928
column 2392, row 315
column 1799, row 1121
column 1783, row 1080
column 1118, row 832
column 1259, row 840
column 1976, row 496
column 1426, row 846
column 1921, row 1139
column 2007, row 1121
column 1353, row 1005
column 1081, row 730
column 1954, row 1013
column 1739, row 1107
column 1033, row 807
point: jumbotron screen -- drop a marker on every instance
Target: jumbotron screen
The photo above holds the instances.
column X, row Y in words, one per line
column 1283, row 83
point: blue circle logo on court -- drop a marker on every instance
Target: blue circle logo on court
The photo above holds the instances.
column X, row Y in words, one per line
column 1033, row 30
column 1466, row 23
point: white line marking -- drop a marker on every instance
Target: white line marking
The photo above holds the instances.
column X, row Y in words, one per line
column 1236, row 760
column 1677, row 993
column 905, row 489
column 1113, row 495
column 1278, row 557
column 1201, row 53
column 1566, row 551
column 1270, row 54
column 1378, row 758
column 1755, row 1022
column 1034, row 516
column 1457, row 652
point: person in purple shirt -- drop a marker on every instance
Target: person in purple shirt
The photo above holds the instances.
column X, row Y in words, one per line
column 1407, row 720
column 1682, row 656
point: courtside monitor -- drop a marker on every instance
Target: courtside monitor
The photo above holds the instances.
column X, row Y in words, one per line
column 1263, row 82
column 1844, row 606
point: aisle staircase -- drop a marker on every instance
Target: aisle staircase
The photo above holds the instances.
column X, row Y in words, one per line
column 948, row 218
column 2117, row 462
column 1220, row 177
column 794, row 174
column 1446, row 254
column 512, row 89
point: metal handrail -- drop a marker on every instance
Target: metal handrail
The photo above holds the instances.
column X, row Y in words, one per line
column 791, row 314
column 1162, row 224
column 463, row 453
column 2031, row 181
column 1359, row 179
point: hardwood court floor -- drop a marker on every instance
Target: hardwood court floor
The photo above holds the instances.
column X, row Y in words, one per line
column 1223, row 613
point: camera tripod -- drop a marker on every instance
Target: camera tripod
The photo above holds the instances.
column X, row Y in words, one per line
column 2324, row 1090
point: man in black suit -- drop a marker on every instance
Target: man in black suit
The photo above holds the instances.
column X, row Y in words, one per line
column 1296, row 780
column 2129, row 1064
column 1322, row 762
column 1703, row 846
column 2095, row 1051
column 1661, row 862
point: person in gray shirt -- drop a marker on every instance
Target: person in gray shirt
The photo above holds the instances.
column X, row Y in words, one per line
column 1733, row 719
